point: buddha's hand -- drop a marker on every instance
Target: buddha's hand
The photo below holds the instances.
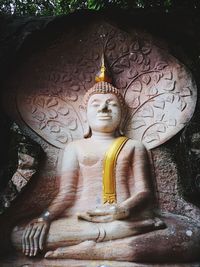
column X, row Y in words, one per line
column 34, row 236
column 107, row 213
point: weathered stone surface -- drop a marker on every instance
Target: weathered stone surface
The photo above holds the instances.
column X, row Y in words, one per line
column 23, row 262
column 172, row 183
column 27, row 163
column 158, row 90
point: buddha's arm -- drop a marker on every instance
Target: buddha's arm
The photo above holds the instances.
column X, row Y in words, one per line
column 35, row 232
column 140, row 184
column 68, row 183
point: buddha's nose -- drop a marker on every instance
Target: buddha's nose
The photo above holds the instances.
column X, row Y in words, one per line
column 103, row 107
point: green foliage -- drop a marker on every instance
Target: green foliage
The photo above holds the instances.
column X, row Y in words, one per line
column 59, row 7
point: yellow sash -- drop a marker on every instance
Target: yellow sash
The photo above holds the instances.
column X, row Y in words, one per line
column 109, row 183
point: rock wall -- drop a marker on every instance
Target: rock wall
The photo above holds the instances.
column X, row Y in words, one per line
column 176, row 163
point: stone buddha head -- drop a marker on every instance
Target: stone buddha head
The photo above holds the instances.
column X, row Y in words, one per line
column 104, row 106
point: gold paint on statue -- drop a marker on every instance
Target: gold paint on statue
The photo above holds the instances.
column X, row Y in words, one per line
column 102, row 75
column 110, row 160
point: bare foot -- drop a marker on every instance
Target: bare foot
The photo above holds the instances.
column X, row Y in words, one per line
column 71, row 252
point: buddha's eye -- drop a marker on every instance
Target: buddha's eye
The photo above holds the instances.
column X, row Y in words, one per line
column 113, row 103
column 95, row 104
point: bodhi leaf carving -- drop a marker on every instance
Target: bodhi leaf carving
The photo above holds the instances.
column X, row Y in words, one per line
column 159, row 91
column 55, row 119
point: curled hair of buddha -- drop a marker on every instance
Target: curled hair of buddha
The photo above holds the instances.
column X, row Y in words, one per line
column 103, row 84
column 103, row 88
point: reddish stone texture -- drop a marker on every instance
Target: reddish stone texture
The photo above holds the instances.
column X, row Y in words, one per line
column 159, row 90
column 168, row 184
column 49, row 87
column 24, row 262
column 24, row 163
column 59, row 75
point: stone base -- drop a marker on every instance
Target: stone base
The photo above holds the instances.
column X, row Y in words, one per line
column 20, row 261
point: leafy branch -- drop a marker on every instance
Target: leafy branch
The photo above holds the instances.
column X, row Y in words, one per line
column 60, row 7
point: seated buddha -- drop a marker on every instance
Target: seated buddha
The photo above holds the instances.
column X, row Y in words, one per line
column 106, row 206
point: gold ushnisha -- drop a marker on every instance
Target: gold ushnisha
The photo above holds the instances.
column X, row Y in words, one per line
column 103, row 85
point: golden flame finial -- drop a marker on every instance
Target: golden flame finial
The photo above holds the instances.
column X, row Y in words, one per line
column 103, row 74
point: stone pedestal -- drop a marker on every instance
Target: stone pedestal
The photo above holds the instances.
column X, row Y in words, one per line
column 26, row 262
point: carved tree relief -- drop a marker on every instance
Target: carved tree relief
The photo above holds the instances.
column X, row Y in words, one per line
column 158, row 90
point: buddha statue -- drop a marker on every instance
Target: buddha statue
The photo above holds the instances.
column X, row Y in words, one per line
column 106, row 206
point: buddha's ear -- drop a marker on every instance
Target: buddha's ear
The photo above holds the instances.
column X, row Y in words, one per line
column 83, row 113
column 87, row 132
column 123, row 122
column 121, row 132
column 86, row 127
column 121, row 128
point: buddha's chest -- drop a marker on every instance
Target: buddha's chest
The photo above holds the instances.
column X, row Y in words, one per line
column 96, row 156
column 92, row 168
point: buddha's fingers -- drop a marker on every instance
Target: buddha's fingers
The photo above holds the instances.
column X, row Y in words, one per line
column 26, row 239
column 42, row 236
column 103, row 219
column 98, row 212
column 31, row 242
column 121, row 215
column 89, row 218
column 23, row 241
column 36, row 240
column 84, row 216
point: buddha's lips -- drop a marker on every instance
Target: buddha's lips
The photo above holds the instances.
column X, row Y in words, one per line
column 104, row 117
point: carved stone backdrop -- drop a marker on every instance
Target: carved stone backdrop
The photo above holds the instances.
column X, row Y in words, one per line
column 44, row 96
column 158, row 89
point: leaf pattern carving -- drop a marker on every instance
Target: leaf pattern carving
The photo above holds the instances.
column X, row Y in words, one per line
column 136, row 87
column 152, row 137
column 146, row 79
column 158, row 90
column 55, row 117
column 138, row 124
column 159, row 97
column 186, row 92
column 159, row 104
column 160, row 65
column 132, row 73
column 147, row 111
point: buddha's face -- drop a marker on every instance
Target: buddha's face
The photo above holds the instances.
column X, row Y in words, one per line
column 104, row 113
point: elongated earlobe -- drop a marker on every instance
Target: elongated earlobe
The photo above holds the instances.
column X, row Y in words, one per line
column 121, row 132
column 86, row 128
column 122, row 124
column 87, row 132
column 83, row 112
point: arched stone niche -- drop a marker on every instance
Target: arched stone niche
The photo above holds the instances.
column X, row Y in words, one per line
column 44, row 96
